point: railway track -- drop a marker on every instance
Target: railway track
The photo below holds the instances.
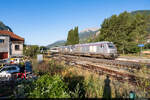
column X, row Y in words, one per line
column 123, row 64
column 120, row 70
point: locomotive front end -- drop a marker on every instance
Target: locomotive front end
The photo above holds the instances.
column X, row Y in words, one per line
column 112, row 50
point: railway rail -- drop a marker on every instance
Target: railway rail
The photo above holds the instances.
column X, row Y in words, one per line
column 124, row 64
column 120, row 70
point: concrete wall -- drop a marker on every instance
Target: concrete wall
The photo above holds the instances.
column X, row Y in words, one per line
column 4, row 47
column 17, row 52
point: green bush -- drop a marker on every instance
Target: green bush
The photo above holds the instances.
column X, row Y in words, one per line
column 147, row 46
column 45, row 67
column 76, row 86
column 49, row 87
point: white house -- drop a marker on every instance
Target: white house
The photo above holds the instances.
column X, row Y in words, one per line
column 10, row 44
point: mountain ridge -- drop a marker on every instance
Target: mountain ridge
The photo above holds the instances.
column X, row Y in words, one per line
column 83, row 35
column 4, row 27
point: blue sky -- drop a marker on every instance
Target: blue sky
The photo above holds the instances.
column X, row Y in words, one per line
column 43, row 22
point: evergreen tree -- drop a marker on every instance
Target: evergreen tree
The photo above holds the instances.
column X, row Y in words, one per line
column 73, row 37
column 69, row 38
column 76, row 35
column 125, row 30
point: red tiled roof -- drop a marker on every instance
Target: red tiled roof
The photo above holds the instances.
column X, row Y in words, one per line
column 12, row 35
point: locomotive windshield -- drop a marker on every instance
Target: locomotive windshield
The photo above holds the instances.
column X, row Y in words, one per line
column 110, row 45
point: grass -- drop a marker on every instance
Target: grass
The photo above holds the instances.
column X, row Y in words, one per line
column 146, row 49
column 82, row 83
column 47, row 67
column 144, row 82
column 137, row 55
column 94, row 84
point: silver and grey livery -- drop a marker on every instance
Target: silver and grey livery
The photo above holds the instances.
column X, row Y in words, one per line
column 102, row 49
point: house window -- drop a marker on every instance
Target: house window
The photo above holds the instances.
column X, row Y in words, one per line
column 1, row 40
column 16, row 47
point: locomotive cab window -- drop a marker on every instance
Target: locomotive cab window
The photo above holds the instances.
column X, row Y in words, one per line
column 110, row 45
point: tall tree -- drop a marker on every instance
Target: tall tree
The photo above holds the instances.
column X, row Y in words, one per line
column 69, row 38
column 76, row 35
column 31, row 51
column 73, row 37
column 125, row 30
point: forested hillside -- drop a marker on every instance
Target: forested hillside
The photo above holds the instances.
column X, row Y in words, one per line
column 126, row 30
column 88, row 33
column 4, row 27
column 145, row 13
column 57, row 43
column 83, row 36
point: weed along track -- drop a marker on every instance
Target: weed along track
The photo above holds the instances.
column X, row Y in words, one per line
column 122, row 71
column 126, row 65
